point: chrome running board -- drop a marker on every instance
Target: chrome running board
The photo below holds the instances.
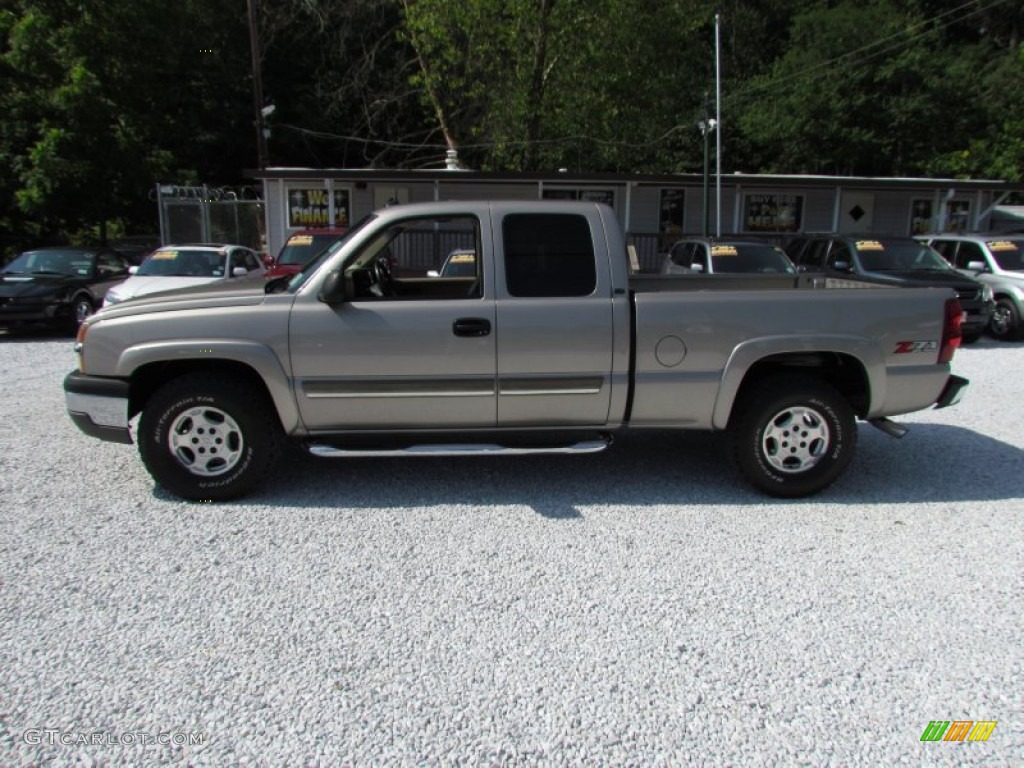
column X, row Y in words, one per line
column 457, row 449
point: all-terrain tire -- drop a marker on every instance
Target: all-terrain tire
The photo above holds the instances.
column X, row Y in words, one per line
column 793, row 435
column 208, row 437
column 1005, row 321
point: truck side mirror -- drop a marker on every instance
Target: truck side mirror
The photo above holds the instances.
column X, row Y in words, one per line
column 333, row 289
column 976, row 266
column 841, row 266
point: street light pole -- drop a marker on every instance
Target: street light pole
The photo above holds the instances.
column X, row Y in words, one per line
column 718, row 129
column 706, row 126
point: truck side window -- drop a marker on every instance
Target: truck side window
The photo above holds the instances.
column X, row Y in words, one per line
column 813, row 256
column 420, row 258
column 548, row 254
column 699, row 256
column 840, row 254
column 947, row 248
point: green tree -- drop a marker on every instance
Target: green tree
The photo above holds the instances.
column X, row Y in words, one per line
column 339, row 75
column 104, row 100
column 541, row 84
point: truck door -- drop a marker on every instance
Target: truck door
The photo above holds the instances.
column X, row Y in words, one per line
column 406, row 348
column 554, row 319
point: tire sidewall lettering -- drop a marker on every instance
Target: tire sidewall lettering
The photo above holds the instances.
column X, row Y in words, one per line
column 174, row 411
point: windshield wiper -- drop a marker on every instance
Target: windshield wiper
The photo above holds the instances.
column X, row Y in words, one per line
column 49, row 272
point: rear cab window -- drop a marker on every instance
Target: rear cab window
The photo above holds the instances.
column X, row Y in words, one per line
column 548, row 254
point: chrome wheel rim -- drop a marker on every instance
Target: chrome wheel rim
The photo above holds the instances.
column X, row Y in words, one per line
column 82, row 310
column 795, row 439
column 1000, row 322
column 206, row 441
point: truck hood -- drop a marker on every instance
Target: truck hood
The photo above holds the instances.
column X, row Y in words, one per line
column 242, row 291
column 142, row 285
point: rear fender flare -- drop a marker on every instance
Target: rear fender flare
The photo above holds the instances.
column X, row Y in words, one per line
column 747, row 354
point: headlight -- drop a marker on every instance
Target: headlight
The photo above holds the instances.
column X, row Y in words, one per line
column 986, row 293
column 111, row 298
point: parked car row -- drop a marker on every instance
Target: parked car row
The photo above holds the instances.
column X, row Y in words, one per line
column 61, row 286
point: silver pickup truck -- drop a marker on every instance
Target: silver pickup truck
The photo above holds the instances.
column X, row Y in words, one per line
column 550, row 345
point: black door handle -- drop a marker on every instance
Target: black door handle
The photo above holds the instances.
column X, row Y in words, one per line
column 471, row 326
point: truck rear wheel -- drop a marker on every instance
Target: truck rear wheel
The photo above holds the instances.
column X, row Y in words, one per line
column 793, row 436
column 208, row 438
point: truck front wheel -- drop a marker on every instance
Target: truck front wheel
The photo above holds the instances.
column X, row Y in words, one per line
column 208, row 438
column 793, row 436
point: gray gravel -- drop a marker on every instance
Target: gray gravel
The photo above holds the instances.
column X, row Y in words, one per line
column 640, row 607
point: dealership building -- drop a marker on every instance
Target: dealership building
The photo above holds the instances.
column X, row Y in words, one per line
column 653, row 209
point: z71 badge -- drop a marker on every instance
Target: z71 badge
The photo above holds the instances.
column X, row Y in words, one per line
column 904, row 347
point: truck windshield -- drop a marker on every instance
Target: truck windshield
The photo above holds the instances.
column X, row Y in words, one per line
column 1009, row 254
column 880, row 256
column 749, row 257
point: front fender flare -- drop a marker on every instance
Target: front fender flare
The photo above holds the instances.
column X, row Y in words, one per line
column 259, row 357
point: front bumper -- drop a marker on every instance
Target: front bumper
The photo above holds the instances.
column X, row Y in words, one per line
column 23, row 313
column 98, row 406
column 976, row 318
column 953, row 391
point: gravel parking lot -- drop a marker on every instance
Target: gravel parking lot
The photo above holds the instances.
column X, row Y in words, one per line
column 639, row 607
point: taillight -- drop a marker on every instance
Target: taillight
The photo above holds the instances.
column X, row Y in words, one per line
column 951, row 332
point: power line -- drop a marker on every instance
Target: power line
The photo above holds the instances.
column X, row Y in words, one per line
column 911, row 33
column 930, row 24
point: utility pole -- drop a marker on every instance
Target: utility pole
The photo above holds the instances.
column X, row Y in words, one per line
column 259, row 111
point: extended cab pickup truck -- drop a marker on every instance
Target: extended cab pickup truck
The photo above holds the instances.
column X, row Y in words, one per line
column 550, row 346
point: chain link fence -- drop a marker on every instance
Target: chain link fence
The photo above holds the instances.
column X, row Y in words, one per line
column 202, row 214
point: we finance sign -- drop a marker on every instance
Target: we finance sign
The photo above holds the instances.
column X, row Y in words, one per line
column 312, row 207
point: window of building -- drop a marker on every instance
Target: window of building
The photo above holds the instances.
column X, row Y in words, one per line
column 958, row 216
column 586, row 194
column 548, row 254
column 772, row 212
column 670, row 216
column 921, row 220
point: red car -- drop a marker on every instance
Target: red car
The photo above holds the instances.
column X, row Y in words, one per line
column 302, row 248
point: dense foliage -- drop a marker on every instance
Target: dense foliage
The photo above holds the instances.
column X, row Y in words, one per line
column 101, row 100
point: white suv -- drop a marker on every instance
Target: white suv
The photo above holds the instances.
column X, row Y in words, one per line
column 998, row 261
